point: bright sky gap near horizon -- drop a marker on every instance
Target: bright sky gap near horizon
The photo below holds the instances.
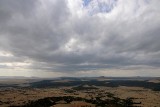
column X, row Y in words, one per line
column 52, row 38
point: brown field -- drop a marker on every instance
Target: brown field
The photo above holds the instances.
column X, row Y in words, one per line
column 20, row 96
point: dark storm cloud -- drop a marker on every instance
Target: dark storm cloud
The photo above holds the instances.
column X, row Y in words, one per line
column 54, row 39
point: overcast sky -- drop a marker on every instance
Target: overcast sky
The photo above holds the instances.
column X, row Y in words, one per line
column 52, row 38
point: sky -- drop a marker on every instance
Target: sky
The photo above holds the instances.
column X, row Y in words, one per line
column 54, row 38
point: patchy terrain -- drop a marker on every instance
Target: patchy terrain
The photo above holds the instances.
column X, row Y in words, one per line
column 80, row 92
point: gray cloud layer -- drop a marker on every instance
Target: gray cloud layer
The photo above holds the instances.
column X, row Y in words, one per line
column 54, row 35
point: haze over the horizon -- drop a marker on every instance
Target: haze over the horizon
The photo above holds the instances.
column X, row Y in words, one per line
column 52, row 38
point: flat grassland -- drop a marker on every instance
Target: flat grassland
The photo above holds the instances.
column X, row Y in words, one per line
column 80, row 92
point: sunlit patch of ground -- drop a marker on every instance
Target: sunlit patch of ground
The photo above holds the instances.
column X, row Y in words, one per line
column 148, row 98
column 155, row 81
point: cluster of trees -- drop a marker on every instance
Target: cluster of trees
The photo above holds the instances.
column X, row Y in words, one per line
column 49, row 101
